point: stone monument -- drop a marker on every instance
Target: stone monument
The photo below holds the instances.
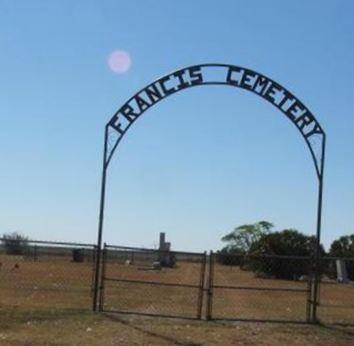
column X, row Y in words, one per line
column 166, row 258
column 342, row 274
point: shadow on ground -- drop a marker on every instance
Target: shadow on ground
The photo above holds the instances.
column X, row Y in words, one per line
column 144, row 331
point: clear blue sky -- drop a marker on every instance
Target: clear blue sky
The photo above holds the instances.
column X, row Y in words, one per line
column 198, row 163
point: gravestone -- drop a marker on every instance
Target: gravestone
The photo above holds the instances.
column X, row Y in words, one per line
column 166, row 258
column 342, row 275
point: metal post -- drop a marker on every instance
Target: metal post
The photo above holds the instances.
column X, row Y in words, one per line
column 93, row 261
column 201, row 286
column 100, row 223
column 210, row 286
column 318, row 237
column 103, row 276
column 309, row 291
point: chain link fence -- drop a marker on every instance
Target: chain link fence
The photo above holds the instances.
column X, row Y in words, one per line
column 51, row 276
column 40, row 275
column 152, row 282
column 269, row 288
column 336, row 292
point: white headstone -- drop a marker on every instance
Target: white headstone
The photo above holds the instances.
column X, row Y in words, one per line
column 342, row 275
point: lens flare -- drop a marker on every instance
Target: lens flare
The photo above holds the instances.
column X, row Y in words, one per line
column 119, row 61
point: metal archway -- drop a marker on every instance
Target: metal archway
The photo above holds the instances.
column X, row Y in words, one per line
column 216, row 74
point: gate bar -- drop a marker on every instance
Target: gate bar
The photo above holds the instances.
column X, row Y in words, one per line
column 103, row 273
column 210, row 286
column 152, row 283
column 201, row 287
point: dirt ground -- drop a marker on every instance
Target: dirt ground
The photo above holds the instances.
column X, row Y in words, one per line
column 48, row 302
column 86, row 328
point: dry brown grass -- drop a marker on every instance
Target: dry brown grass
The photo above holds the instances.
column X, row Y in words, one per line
column 48, row 302
column 70, row 327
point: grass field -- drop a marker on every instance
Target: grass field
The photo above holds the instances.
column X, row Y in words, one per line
column 75, row 327
column 49, row 301
column 181, row 301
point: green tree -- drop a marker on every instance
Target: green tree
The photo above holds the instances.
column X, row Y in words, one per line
column 269, row 252
column 342, row 247
column 241, row 239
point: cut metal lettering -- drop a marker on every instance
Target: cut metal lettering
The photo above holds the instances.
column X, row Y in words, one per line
column 235, row 76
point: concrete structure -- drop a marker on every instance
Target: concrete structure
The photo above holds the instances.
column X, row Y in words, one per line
column 342, row 274
column 166, row 258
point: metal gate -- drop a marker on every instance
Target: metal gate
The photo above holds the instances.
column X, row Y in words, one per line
column 152, row 282
column 214, row 287
column 237, row 292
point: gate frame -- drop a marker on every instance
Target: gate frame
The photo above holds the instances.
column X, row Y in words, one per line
column 196, row 78
column 202, row 262
column 211, row 286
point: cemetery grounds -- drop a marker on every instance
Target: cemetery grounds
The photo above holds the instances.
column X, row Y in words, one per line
column 48, row 302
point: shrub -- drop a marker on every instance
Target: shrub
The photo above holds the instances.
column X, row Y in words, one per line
column 230, row 257
column 15, row 243
column 288, row 242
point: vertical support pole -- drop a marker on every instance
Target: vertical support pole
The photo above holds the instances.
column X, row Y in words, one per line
column 201, row 286
column 100, row 224
column 103, row 275
column 210, row 286
column 93, row 261
column 309, row 291
column 317, row 276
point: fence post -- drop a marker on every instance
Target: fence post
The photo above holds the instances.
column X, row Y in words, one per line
column 94, row 254
column 315, row 278
column 210, row 286
column 318, row 288
column 103, row 273
column 309, row 293
column 201, row 286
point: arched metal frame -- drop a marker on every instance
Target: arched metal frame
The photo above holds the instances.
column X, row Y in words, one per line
column 217, row 74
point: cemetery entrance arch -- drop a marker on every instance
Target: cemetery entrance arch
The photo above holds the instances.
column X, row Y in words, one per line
column 226, row 75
